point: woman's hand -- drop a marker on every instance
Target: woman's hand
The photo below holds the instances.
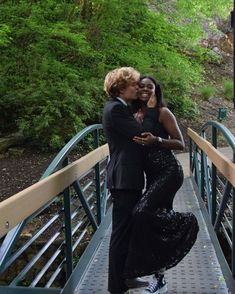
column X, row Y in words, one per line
column 152, row 103
column 146, row 139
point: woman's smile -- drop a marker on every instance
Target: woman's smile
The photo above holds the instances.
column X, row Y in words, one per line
column 146, row 89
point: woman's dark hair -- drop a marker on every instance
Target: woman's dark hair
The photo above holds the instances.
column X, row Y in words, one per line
column 158, row 91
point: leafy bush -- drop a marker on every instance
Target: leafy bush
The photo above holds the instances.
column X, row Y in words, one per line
column 207, row 92
column 55, row 55
column 228, row 89
column 47, row 66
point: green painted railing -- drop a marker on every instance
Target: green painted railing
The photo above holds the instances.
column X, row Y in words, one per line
column 215, row 190
column 40, row 254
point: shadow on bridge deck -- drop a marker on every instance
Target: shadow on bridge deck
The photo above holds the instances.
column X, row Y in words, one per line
column 198, row 273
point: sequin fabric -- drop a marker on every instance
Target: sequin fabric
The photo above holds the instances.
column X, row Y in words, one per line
column 160, row 237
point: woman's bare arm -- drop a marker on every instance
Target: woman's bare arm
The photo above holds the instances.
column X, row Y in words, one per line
column 176, row 141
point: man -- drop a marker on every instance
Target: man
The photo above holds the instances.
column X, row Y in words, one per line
column 125, row 177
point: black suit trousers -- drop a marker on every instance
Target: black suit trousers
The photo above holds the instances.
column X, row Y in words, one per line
column 123, row 203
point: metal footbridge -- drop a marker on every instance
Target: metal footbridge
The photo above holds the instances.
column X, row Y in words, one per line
column 55, row 234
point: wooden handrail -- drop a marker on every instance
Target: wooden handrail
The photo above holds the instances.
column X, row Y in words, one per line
column 223, row 164
column 21, row 205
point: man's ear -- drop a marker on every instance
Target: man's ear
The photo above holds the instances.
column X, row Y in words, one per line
column 115, row 91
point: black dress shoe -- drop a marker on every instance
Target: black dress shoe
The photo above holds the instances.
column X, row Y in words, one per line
column 136, row 283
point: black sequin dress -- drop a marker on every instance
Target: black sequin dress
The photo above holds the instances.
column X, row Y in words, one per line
column 161, row 237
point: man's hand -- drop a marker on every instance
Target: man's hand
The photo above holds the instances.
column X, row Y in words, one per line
column 139, row 116
column 146, row 139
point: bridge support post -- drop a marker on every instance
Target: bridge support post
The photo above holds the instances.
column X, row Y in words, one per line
column 214, row 179
column 190, row 154
column 233, row 235
column 68, row 229
column 202, row 183
column 233, row 229
column 97, row 180
column 233, row 28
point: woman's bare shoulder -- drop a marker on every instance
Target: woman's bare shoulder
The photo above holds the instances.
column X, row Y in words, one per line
column 165, row 113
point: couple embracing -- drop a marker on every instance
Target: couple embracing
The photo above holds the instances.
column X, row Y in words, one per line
column 148, row 236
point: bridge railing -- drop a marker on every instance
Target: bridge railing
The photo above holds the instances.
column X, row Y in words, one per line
column 214, row 176
column 46, row 227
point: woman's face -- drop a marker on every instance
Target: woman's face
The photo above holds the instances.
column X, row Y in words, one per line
column 130, row 92
column 146, row 89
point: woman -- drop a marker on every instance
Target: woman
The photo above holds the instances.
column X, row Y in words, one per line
column 160, row 237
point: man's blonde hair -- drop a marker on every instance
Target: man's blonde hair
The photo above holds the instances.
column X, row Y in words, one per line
column 119, row 79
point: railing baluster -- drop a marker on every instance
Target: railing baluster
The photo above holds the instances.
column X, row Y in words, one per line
column 68, row 229
column 233, row 229
column 202, row 188
column 97, row 179
column 190, row 154
column 233, row 235
column 223, row 203
column 207, row 183
column 197, row 175
column 78, row 189
column 214, row 179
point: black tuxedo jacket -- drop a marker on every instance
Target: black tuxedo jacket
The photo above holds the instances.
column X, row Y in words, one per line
column 125, row 168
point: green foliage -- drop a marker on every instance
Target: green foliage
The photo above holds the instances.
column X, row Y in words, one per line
column 4, row 35
column 45, row 75
column 207, row 92
column 202, row 9
column 228, row 89
column 192, row 15
column 55, row 55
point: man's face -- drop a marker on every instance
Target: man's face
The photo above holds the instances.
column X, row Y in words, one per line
column 130, row 92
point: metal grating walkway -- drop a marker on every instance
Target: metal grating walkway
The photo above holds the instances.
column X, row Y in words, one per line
column 198, row 273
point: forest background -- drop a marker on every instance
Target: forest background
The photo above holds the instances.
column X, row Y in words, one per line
column 55, row 55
